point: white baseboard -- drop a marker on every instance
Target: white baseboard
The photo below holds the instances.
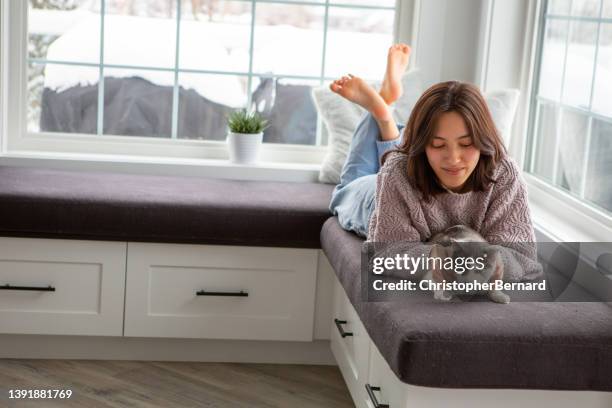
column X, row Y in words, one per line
column 155, row 349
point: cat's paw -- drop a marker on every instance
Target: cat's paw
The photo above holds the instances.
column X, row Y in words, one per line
column 499, row 297
column 443, row 295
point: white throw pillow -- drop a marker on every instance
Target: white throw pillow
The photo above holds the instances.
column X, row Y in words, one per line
column 502, row 105
column 341, row 117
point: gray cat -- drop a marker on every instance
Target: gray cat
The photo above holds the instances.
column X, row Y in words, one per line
column 462, row 241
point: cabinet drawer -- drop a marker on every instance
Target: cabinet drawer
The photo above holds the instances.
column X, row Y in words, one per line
column 384, row 386
column 352, row 350
column 61, row 286
column 203, row 291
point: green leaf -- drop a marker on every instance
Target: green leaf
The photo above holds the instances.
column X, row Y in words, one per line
column 241, row 121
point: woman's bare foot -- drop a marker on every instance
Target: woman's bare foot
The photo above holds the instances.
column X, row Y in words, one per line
column 358, row 91
column 397, row 61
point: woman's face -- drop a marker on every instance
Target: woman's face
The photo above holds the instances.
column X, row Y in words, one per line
column 451, row 152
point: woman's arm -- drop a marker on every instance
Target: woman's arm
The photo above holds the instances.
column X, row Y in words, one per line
column 391, row 222
column 507, row 223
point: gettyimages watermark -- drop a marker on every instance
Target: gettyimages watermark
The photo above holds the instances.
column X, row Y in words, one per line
column 478, row 271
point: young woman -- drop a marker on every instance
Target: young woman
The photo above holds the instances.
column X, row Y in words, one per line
column 447, row 166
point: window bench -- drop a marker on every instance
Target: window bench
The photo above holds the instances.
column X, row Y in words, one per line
column 124, row 266
column 478, row 345
column 122, row 207
column 141, row 245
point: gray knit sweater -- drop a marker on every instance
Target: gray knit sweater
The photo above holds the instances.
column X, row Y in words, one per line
column 500, row 214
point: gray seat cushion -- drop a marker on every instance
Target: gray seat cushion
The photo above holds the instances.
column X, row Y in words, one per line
column 531, row 345
column 111, row 206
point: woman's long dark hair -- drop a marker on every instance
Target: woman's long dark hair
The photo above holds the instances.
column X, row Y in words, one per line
column 466, row 100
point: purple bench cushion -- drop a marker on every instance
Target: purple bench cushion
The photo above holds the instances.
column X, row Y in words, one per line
column 530, row 345
column 110, row 206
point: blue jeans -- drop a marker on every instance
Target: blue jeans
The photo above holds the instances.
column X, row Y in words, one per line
column 353, row 199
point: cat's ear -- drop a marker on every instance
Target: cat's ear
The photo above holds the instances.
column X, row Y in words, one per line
column 493, row 253
column 490, row 249
column 462, row 246
column 446, row 241
column 441, row 250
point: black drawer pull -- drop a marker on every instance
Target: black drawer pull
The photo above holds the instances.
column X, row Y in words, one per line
column 339, row 324
column 373, row 398
column 38, row 288
column 209, row 293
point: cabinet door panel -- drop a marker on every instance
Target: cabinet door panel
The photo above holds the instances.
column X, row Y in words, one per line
column 204, row 291
column 53, row 286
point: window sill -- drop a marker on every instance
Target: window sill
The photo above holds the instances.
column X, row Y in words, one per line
column 564, row 218
column 215, row 168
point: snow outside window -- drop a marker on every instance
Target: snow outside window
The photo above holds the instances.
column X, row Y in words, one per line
column 571, row 146
column 168, row 69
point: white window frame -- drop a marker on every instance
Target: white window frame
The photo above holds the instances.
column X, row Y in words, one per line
column 554, row 211
column 139, row 153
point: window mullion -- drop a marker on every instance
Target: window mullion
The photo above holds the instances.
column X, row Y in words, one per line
column 579, row 18
column 100, row 129
column 534, row 148
column 567, row 42
column 587, row 146
column 319, row 135
column 533, row 115
column 556, row 147
column 325, row 27
column 251, row 43
column 18, row 61
column 599, row 24
column 175, row 89
column 585, row 158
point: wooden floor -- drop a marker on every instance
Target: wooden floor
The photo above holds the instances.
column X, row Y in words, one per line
column 174, row 384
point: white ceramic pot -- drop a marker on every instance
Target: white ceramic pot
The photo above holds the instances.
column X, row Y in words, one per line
column 244, row 147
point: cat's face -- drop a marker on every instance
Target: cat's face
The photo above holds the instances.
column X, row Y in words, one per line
column 487, row 254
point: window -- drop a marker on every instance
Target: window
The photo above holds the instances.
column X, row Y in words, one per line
column 571, row 118
column 174, row 69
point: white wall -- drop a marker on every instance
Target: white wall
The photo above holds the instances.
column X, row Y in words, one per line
column 447, row 35
column 478, row 41
column 508, row 63
column 507, row 39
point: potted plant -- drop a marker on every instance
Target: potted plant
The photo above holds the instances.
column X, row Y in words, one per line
column 245, row 136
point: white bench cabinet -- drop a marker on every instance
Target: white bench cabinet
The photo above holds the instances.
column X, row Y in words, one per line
column 54, row 286
column 387, row 391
